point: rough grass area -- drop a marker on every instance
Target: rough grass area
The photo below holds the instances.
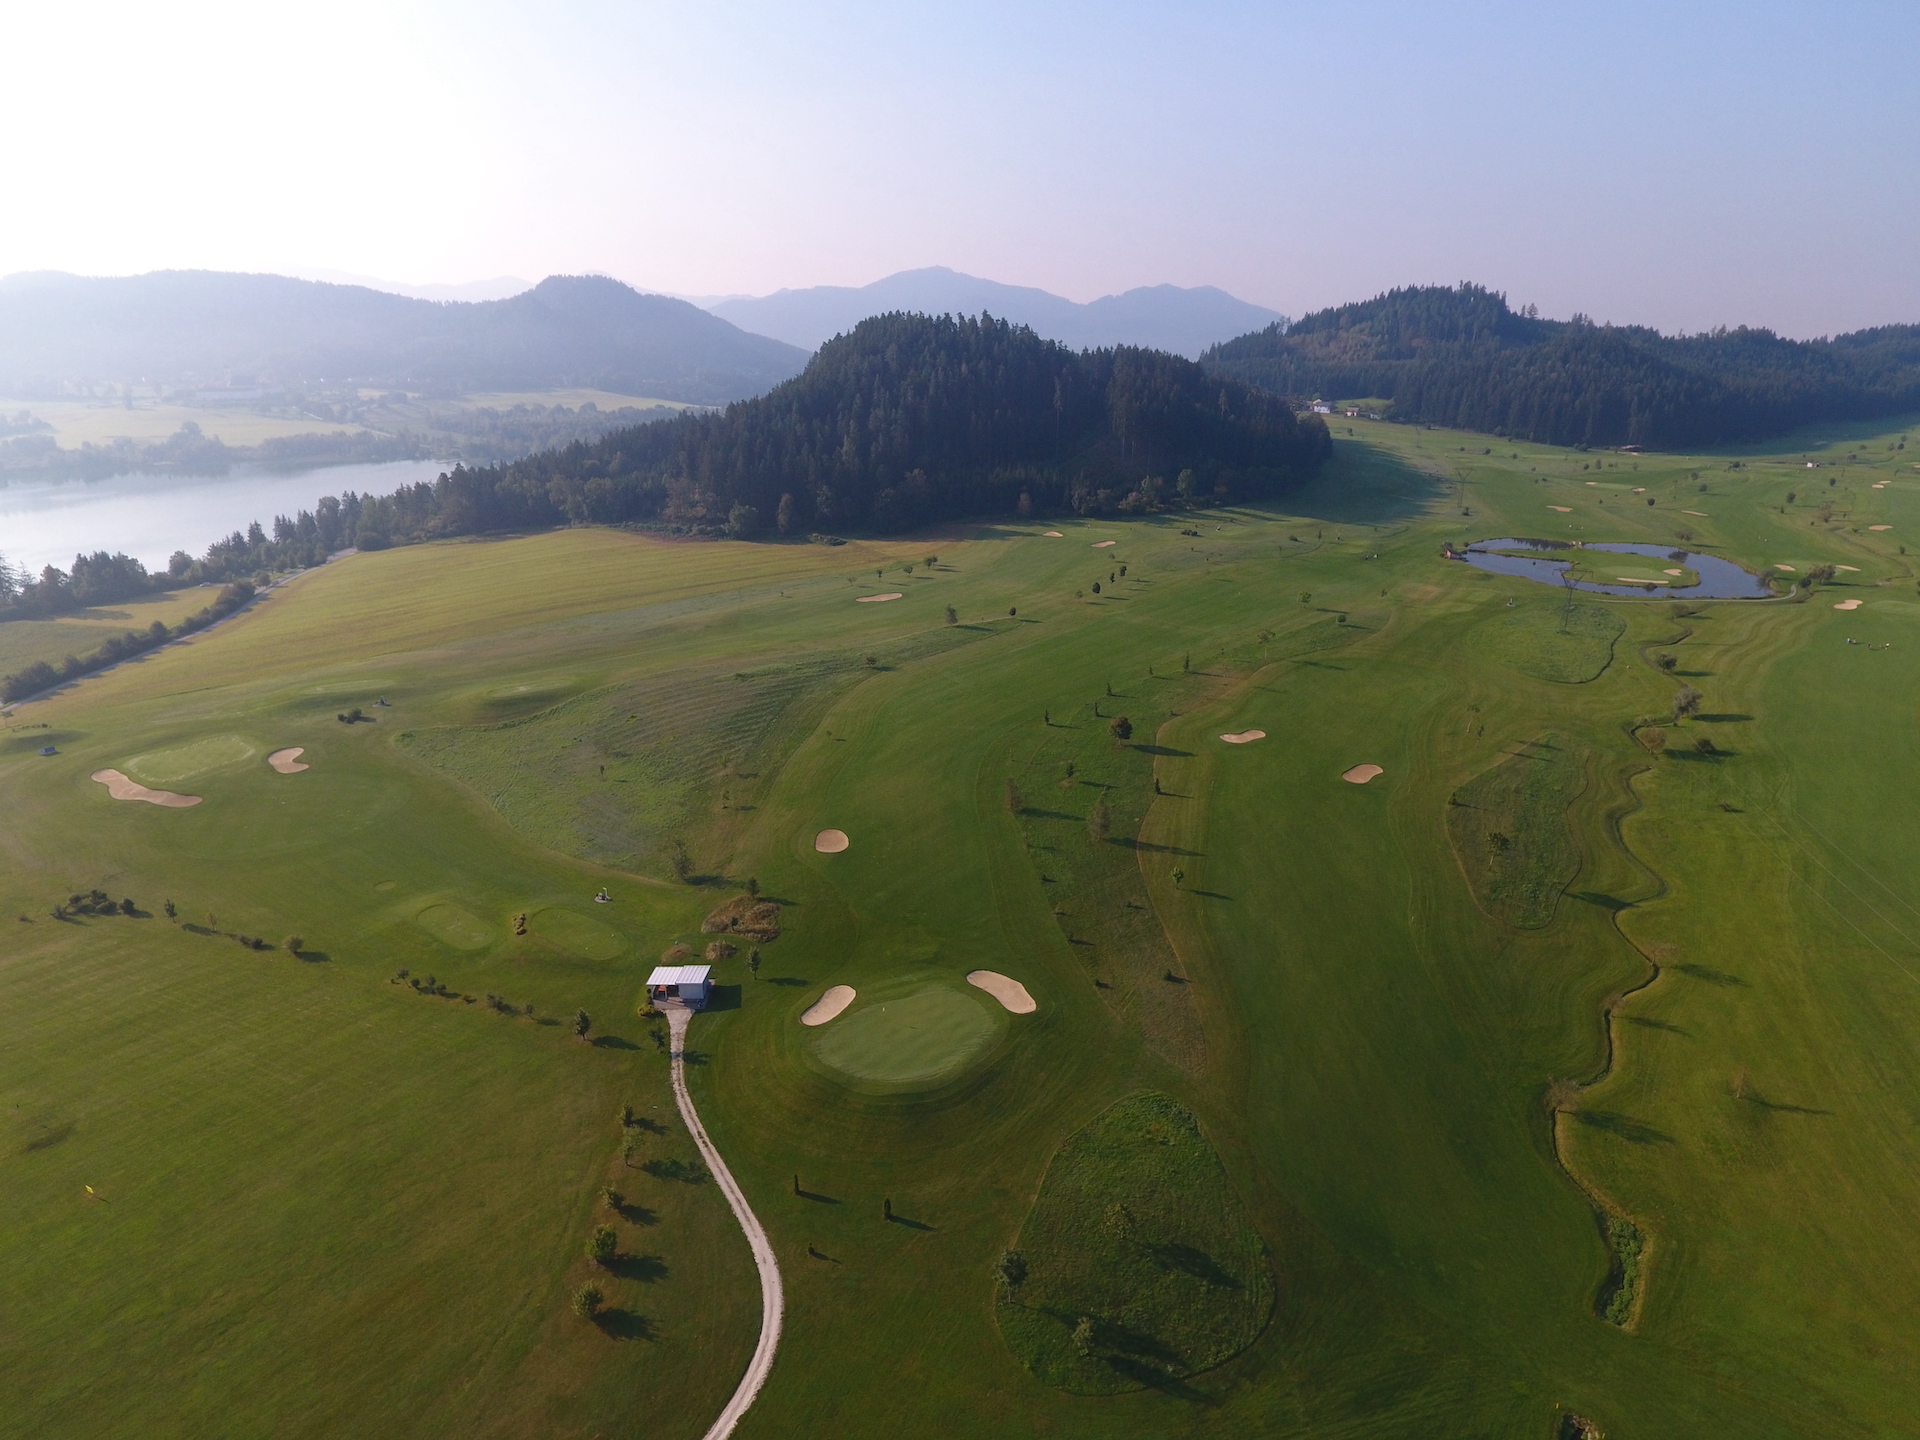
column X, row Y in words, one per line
column 617, row 775
column 1509, row 828
column 1551, row 641
column 1140, row 1265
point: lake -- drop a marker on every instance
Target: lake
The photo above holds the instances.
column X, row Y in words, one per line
column 150, row 515
column 1719, row 579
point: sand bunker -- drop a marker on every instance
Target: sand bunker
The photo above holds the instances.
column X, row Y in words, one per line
column 1701, row 513
column 1849, row 605
column 1673, row 572
column 1360, row 774
column 121, row 788
column 1778, row 566
column 1055, row 535
column 288, row 762
column 1879, row 527
column 1244, row 737
column 831, row 842
column 869, row 599
column 832, row 1003
column 1102, row 544
column 1854, row 568
column 1563, row 509
column 1009, row 992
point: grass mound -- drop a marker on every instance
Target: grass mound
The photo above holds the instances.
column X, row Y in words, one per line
column 757, row 920
column 1550, row 641
column 1139, row 1265
column 1509, row 828
column 908, row 1037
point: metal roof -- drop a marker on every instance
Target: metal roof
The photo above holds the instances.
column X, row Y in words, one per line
column 679, row 975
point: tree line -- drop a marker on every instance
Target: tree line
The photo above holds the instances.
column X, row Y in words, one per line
column 908, row 419
column 42, row 675
column 1462, row 357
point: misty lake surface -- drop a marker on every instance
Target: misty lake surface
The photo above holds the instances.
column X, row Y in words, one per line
column 1719, row 579
column 149, row 515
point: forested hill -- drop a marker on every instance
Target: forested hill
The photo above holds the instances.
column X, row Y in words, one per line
column 908, row 419
column 1461, row 357
column 189, row 329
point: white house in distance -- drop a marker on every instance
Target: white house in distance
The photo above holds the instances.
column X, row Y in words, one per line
column 685, row 983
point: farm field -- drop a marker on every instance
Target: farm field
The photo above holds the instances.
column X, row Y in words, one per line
column 1566, row 1066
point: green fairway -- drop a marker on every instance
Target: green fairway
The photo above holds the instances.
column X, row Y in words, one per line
column 1575, row 966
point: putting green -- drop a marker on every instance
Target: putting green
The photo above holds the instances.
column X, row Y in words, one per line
column 183, row 762
column 910, row 1037
column 586, row 938
column 456, row 927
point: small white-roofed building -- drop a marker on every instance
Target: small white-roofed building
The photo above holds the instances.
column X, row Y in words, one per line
column 686, row 983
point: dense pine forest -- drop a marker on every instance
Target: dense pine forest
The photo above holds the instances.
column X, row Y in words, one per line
column 906, row 420
column 1461, row 357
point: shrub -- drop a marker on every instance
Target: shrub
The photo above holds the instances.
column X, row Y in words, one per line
column 1121, row 727
column 127, row 907
column 603, row 1245
column 587, row 1301
column 294, row 944
column 582, row 1023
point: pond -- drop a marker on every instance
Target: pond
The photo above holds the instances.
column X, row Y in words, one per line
column 1719, row 579
column 149, row 515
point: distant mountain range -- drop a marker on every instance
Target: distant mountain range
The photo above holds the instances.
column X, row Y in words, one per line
column 500, row 287
column 1156, row 317
column 206, row 329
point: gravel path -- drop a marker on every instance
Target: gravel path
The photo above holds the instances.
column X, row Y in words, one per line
column 772, row 1298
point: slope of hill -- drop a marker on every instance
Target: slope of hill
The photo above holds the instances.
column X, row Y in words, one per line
column 203, row 328
column 1462, row 357
column 1158, row 317
column 906, row 420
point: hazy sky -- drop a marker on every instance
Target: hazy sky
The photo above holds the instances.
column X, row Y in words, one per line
column 1679, row 164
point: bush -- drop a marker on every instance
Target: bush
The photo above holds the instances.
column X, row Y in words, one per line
column 587, row 1300
column 603, row 1245
column 294, row 944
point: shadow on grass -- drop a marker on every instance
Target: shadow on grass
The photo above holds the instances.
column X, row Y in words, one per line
column 815, row 1196
column 1625, row 1126
column 1613, row 904
column 613, row 1042
column 1646, row 1023
column 1727, row 719
column 313, row 957
column 1708, row 974
column 637, row 1214
column 687, row 1172
column 723, row 997
column 1191, row 1261
column 1152, row 849
column 618, row 1324
column 790, row 981
column 898, row 1219
column 1164, row 750
column 644, row 1268
column 1780, row 1107
column 48, row 1138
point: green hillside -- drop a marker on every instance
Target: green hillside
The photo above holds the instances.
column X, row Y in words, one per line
column 1614, row 1120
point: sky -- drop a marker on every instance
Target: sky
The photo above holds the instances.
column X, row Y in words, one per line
column 1684, row 165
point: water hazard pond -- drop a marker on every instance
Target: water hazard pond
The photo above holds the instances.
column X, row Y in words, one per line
column 1719, row 579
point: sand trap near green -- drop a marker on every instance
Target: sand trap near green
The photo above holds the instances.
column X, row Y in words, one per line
column 121, row 788
column 876, row 599
column 183, row 762
column 1361, row 774
column 912, row 1037
column 288, row 762
column 831, row 842
column 1849, row 605
column 828, row 1006
column 1244, row 737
